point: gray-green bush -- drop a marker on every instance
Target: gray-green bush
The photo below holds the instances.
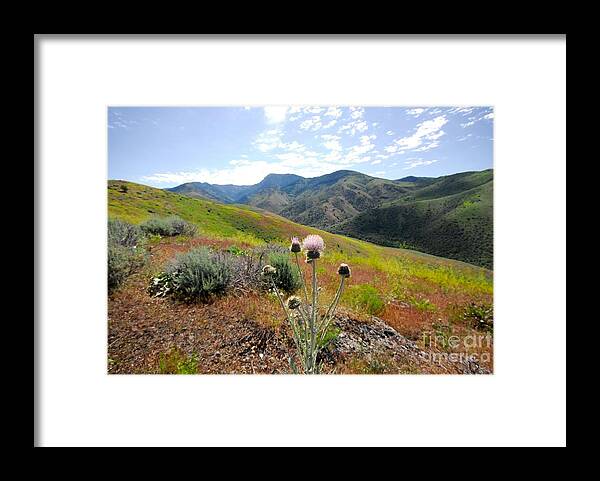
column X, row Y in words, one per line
column 168, row 226
column 122, row 262
column 200, row 274
column 123, row 234
column 287, row 277
column 125, row 254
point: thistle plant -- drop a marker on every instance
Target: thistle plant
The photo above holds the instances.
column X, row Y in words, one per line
column 309, row 327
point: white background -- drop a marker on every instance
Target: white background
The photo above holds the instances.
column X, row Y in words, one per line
column 523, row 403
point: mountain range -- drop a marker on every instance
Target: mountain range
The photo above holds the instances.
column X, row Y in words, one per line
column 449, row 216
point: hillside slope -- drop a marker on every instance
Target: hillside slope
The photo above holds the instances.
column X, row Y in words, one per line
column 395, row 300
column 408, row 211
column 458, row 226
column 135, row 203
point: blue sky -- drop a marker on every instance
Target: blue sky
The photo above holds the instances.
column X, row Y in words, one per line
column 167, row 146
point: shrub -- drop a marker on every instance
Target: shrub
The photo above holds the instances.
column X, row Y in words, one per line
column 122, row 262
column 124, row 256
column 123, row 234
column 168, row 226
column 236, row 251
column 366, row 298
column 199, row 274
column 479, row 316
column 287, row 277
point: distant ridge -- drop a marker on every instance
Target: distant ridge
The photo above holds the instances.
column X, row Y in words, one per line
column 450, row 216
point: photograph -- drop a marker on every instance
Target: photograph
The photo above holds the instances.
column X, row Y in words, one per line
column 368, row 227
column 300, row 239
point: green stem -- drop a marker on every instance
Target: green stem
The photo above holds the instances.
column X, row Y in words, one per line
column 303, row 280
column 295, row 334
column 334, row 300
column 314, row 316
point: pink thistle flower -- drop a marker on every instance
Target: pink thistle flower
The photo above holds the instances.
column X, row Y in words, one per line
column 313, row 245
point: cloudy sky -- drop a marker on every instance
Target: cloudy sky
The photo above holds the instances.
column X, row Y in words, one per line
column 168, row 146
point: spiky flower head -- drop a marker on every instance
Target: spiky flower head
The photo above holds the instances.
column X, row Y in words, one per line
column 295, row 245
column 313, row 245
column 294, row 302
column 268, row 270
column 344, row 270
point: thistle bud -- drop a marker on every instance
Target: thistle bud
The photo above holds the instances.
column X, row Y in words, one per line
column 344, row 270
column 293, row 302
column 295, row 245
column 268, row 270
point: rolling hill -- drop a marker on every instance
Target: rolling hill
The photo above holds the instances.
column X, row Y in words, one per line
column 449, row 216
column 394, row 300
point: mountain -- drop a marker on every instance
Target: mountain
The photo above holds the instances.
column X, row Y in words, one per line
column 234, row 193
column 452, row 217
column 449, row 216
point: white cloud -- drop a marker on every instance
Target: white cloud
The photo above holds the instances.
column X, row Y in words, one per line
column 268, row 140
column 412, row 163
column 474, row 119
column 356, row 113
column 461, row 110
column 425, row 136
column 333, row 144
column 376, row 161
column 275, row 114
column 415, row 112
column 334, row 112
column 354, row 126
column 313, row 123
column 380, row 173
column 390, row 132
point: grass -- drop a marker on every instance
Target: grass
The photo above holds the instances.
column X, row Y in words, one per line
column 174, row 362
column 431, row 287
column 245, row 227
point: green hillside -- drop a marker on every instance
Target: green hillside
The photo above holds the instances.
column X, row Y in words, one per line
column 449, row 216
column 135, row 203
column 443, row 218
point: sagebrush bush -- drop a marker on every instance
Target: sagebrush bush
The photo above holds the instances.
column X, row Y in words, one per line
column 287, row 277
column 168, row 226
column 200, row 274
column 124, row 255
column 123, row 234
column 122, row 262
column 366, row 298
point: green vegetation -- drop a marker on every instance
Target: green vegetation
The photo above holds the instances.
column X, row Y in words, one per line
column 450, row 216
column 246, row 228
column 124, row 256
column 168, row 226
column 287, row 277
column 175, row 362
column 365, row 298
column 199, row 274
column 479, row 316
column 457, row 226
